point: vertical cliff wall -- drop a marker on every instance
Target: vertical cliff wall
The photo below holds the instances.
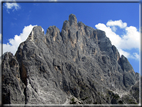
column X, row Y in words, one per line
column 77, row 65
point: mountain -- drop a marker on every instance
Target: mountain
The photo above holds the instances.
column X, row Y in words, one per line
column 78, row 65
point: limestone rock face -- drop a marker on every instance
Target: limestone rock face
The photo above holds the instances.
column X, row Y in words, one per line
column 13, row 87
column 78, row 65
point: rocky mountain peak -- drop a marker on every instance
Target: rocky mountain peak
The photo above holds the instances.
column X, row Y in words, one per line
column 36, row 33
column 126, row 66
column 37, row 29
column 72, row 19
column 77, row 65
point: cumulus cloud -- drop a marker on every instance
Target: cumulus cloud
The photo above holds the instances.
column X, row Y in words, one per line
column 13, row 43
column 128, row 41
column 114, row 28
column 136, row 55
column 131, row 39
column 116, row 23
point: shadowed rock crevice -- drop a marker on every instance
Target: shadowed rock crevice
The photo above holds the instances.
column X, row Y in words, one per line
column 23, row 74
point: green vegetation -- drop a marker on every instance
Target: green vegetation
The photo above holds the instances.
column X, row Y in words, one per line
column 72, row 101
column 116, row 96
column 113, row 95
column 131, row 101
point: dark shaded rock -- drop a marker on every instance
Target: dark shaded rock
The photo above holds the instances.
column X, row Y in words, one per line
column 125, row 65
column 135, row 91
column 78, row 65
column 129, row 99
column 128, row 79
column 12, row 86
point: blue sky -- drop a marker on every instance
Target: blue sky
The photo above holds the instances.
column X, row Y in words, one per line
column 120, row 21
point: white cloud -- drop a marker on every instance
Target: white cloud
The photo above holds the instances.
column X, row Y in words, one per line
column 114, row 28
column 13, row 44
column 137, row 56
column 116, row 23
column 12, row 5
column 130, row 40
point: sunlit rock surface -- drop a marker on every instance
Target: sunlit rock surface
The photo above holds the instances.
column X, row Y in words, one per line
column 77, row 65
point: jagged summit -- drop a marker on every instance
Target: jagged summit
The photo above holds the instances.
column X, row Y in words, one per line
column 75, row 65
column 72, row 19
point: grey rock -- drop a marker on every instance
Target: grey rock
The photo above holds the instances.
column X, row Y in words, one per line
column 12, row 86
column 128, row 79
column 77, row 65
column 135, row 91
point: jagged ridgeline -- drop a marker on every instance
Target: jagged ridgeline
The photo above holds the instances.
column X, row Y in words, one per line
column 78, row 65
